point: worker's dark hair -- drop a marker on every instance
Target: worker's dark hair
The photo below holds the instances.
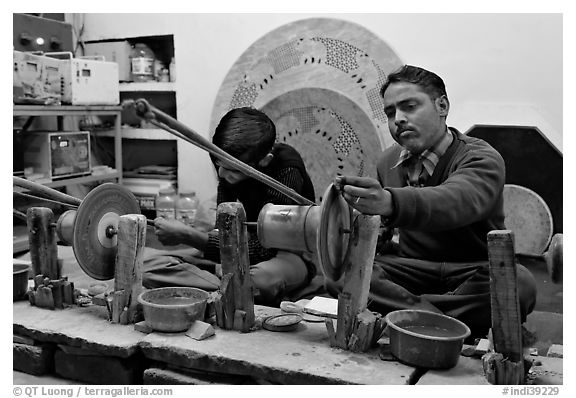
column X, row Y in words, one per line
column 430, row 82
column 245, row 131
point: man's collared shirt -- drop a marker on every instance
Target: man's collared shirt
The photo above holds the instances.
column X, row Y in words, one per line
column 419, row 168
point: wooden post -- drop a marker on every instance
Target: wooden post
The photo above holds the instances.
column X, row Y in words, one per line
column 43, row 242
column 355, row 328
column 506, row 364
column 128, row 270
column 230, row 220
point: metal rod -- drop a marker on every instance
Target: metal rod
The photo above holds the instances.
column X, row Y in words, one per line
column 19, row 214
column 37, row 188
column 45, row 199
column 146, row 111
column 40, row 189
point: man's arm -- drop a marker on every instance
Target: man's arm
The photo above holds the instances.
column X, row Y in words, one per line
column 366, row 195
column 174, row 232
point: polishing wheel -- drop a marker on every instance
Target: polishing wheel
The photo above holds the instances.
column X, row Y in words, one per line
column 95, row 239
column 334, row 232
column 324, row 230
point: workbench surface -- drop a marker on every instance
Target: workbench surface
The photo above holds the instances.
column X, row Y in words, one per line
column 303, row 356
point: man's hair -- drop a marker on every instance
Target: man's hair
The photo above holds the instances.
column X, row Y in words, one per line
column 430, row 82
column 245, row 131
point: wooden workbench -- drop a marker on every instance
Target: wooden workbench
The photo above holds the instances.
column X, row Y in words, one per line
column 85, row 346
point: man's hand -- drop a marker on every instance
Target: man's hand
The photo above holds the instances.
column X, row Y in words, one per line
column 365, row 194
column 170, row 232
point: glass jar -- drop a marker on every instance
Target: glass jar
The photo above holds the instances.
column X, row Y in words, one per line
column 165, row 203
column 186, row 208
column 142, row 63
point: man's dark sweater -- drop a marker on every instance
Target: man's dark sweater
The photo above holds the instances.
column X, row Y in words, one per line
column 450, row 218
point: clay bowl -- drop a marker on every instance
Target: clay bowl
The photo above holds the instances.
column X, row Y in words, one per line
column 173, row 309
column 20, row 280
column 426, row 339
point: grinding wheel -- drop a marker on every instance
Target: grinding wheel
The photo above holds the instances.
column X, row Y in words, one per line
column 95, row 226
column 529, row 217
column 334, row 233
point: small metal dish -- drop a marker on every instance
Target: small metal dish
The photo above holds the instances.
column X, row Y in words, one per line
column 282, row 323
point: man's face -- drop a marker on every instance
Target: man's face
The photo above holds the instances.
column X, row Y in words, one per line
column 415, row 120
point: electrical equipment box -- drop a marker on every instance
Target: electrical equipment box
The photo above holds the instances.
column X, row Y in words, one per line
column 37, row 79
column 72, row 81
column 57, row 155
column 33, row 33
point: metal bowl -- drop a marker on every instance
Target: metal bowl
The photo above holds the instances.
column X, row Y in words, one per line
column 173, row 309
column 426, row 339
column 20, row 280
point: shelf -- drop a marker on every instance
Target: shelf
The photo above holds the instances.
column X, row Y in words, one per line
column 147, row 86
column 76, row 180
column 139, row 133
column 80, row 110
column 65, row 110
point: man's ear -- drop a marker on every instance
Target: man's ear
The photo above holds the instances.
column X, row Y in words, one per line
column 442, row 105
column 266, row 160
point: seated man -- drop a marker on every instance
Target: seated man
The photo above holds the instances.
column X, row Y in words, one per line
column 248, row 135
column 443, row 192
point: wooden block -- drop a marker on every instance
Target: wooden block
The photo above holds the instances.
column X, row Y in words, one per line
column 143, row 327
column 124, row 317
column 345, row 323
column 200, row 330
column 363, row 331
column 43, row 241
column 240, row 321
column 57, row 293
column 230, row 220
column 219, row 310
column 68, row 292
column 43, row 298
column 38, row 281
column 331, row 332
column 505, row 306
column 501, row 371
column 227, row 301
column 119, row 301
column 129, row 262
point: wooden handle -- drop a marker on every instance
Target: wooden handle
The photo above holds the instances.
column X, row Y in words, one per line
column 48, row 192
column 166, row 122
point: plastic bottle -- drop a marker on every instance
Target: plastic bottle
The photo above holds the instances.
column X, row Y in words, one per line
column 165, row 203
column 186, row 208
column 142, row 63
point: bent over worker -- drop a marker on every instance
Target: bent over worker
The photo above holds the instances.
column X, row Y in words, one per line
column 443, row 192
column 248, row 135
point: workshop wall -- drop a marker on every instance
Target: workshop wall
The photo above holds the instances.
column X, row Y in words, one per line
column 503, row 69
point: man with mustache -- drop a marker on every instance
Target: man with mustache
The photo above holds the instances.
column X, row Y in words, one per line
column 443, row 193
